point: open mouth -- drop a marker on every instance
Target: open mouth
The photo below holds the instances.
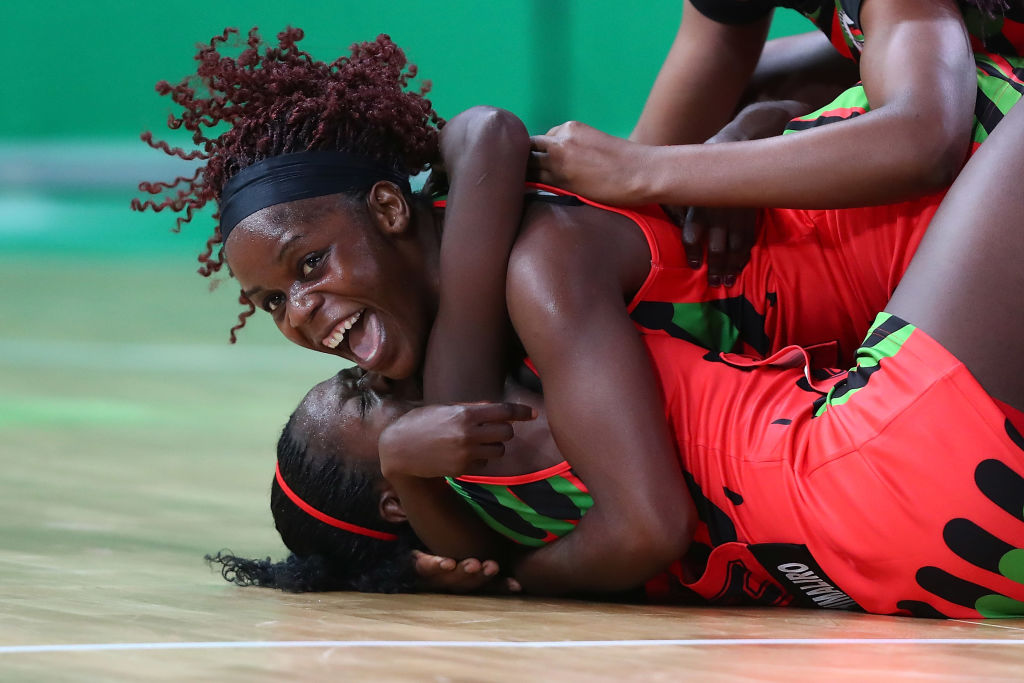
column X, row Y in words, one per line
column 337, row 335
column 364, row 334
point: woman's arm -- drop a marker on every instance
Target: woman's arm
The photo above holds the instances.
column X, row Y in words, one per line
column 484, row 151
column 603, row 406
column 701, row 81
column 919, row 76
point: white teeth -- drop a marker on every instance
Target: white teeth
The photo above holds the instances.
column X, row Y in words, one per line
column 334, row 338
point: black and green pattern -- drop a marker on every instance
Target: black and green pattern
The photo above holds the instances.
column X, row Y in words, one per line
column 725, row 324
column 1004, row 487
column 885, row 339
column 532, row 513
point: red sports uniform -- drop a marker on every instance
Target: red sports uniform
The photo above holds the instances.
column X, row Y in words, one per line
column 897, row 487
column 816, row 278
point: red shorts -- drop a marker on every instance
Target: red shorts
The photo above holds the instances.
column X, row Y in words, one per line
column 896, row 487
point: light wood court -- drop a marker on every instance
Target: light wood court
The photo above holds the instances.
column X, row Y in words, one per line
column 133, row 440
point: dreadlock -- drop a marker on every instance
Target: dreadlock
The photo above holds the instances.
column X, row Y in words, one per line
column 268, row 101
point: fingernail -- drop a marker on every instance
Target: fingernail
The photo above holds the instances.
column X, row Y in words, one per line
column 730, row 280
column 694, row 263
column 714, row 281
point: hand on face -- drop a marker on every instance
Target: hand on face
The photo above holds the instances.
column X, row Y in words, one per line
column 448, row 440
column 576, row 157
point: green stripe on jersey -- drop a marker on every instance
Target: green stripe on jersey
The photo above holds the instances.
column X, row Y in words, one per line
column 869, row 358
column 710, row 326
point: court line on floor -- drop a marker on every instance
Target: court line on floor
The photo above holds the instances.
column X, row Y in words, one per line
column 989, row 623
column 508, row 645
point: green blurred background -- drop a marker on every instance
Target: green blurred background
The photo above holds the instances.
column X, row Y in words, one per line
column 85, row 70
column 119, row 396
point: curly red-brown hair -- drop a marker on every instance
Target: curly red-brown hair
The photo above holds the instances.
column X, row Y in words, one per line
column 277, row 100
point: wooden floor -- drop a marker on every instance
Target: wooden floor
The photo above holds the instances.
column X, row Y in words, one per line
column 133, row 441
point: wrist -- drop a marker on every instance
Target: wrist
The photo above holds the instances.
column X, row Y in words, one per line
column 658, row 177
column 393, row 465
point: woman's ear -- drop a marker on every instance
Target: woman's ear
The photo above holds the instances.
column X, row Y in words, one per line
column 390, row 507
column 388, row 208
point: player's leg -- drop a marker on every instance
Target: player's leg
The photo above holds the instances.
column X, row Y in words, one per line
column 965, row 284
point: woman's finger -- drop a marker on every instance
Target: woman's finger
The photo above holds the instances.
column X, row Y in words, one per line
column 500, row 412
column 427, row 565
column 693, row 238
column 493, row 432
column 470, row 565
column 717, row 241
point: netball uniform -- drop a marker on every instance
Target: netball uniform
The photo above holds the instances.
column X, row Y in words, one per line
column 998, row 44
column 895, row 488
column 815, row 278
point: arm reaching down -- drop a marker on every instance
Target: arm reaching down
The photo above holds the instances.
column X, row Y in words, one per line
column 484, row 152
column 603, row 404
column 918, row 74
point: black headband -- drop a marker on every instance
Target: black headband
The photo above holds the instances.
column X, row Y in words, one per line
column 301, row 175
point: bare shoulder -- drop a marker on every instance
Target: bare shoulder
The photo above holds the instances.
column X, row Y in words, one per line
column 576, row 250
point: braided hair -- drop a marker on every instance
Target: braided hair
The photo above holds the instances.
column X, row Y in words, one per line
column 268, row 101
column 323, row 557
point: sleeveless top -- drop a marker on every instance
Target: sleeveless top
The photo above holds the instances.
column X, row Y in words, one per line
column 774, row 303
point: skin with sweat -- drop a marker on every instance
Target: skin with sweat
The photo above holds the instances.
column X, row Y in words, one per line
column 339, row 278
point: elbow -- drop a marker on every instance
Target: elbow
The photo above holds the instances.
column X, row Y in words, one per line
column 657, row 541
column 936, row 152
column 499, row 127
column 939, row 164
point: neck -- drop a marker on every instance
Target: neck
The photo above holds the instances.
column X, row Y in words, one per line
column 428, row 235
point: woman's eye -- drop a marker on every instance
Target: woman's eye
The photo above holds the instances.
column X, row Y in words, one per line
column 271, row 303
column 310, row 263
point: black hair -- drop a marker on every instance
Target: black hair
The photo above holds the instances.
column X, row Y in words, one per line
column 323, row 557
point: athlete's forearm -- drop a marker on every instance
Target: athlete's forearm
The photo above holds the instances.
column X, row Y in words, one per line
column 604, row 411
column 445, row 524
column 485, row 151
column 876, row 158
column 760, row 120
column 919, row 76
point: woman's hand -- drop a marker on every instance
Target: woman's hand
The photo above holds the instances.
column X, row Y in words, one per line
column 729, row 234
column 582, row 159
column 448, row 440
column 445, row 575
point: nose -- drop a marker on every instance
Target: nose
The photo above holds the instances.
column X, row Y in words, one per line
column 375, row 382
column 300, row 306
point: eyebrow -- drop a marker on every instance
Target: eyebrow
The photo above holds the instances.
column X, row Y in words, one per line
column 249, row 293
column 284, row 247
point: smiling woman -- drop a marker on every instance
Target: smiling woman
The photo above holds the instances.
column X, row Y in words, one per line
column 370, row 301
column 363, row 141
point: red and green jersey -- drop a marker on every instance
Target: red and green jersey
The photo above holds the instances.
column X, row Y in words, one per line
column 896, row 487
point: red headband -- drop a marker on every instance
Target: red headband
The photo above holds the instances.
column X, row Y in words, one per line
column 327, row 519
